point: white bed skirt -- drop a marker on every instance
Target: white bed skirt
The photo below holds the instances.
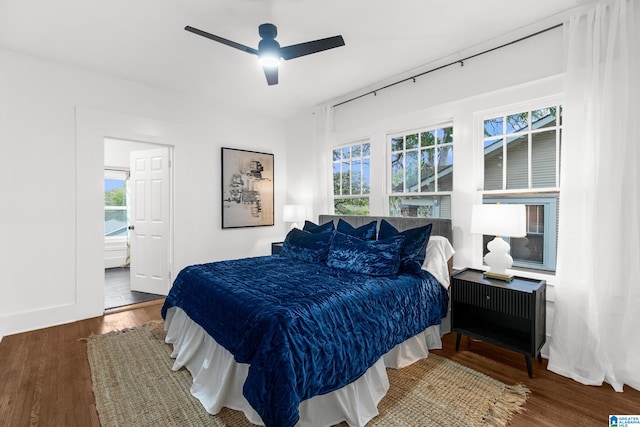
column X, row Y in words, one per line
column 218, row 378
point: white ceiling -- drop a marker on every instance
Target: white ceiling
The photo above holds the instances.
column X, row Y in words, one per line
column 145, row 41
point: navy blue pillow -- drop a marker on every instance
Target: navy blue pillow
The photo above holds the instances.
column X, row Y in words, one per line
column 414, row 247
column 371, row 257
column 306, row 246
column 364, row 232
column 315, row 228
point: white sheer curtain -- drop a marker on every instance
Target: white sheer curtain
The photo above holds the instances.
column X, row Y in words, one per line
column 321, row 154
column 595, row 336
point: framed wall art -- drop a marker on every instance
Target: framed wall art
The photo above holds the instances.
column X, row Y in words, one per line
column 247, row 188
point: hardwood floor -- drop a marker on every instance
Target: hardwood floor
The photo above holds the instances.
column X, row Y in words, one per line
column 45, row 378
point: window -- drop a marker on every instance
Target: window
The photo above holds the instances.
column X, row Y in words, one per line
column 537, row 250
column 421, row 173
column 351, row 179
column 522, row 165
column 115, row 203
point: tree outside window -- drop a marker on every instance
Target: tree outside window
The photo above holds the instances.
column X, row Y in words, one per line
column 115, row 204
column 421, row 173
column 351, row 179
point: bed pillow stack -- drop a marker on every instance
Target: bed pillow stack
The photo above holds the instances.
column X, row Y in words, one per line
column 356, row 249
column 311, row 244
column 371, row 257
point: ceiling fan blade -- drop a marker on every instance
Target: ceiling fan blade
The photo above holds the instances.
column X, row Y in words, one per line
column 302, row 49
column 271, row 73
column 222, row 40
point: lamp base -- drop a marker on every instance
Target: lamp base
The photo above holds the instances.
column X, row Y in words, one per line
column 498, row 260
column 497, row 276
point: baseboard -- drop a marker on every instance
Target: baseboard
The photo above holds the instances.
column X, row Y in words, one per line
column 37, row 319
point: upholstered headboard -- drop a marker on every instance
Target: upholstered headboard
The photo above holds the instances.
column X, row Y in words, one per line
column 441, row 226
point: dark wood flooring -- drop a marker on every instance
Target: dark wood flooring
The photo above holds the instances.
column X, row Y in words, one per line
column 117, row 289
column 45, row 378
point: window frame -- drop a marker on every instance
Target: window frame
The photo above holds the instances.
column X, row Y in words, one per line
column 547, row 196
column 432, row 198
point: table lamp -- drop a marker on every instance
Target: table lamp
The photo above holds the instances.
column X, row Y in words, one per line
column 499, row 220
column 294, row 214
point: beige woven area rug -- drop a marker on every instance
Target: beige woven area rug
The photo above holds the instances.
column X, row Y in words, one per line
column 134, row 386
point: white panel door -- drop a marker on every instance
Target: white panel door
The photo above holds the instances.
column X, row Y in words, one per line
column 149, row 221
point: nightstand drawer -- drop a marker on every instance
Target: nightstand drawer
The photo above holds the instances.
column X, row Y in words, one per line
column 506, row 301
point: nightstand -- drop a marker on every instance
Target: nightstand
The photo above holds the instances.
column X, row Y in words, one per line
column 276, row 248
column 509, row 314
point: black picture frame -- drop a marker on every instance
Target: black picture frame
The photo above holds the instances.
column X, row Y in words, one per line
column 247, row 188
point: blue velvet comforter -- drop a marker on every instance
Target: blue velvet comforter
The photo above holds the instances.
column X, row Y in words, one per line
column 304, row 328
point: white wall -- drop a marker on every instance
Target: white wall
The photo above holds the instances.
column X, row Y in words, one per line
column 53, row 120
column 526, row 71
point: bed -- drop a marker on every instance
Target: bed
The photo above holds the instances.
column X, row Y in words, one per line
column 303, row 340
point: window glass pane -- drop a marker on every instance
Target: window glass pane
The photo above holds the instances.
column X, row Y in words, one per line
column 366, row 181
column 517, row 162
column 544, row 117
column 445, row 168
column 366, row 149
column 351, row 206
column 445, row 136
column 336, row 177
column 356, row 150
column 346, row 153
column 420, row 206
column 543, row 159
column 538, row 248
column 411, row 166
column 115, row 223
column 336, row 154
column 517, row 122
column 493, row 164
column 412, row 141
column 397, row 173
column 115, row 193
column 427, row 170
column 356, row 176
column 427, row 139
column 419, row 172
column 493, row 127
column 397, row 144
column 346, row 177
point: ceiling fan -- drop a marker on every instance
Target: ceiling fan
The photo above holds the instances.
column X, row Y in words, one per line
column 269, row 51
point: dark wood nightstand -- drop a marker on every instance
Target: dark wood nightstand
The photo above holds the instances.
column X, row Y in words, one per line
column 276, row 248
column 511, row 315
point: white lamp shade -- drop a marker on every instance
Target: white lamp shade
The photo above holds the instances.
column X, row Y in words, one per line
column 499, row 220
column 294, row 213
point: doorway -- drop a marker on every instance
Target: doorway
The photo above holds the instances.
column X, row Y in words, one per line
column 125, row 208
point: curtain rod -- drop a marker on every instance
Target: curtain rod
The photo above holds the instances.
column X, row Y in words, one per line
column 459, row 61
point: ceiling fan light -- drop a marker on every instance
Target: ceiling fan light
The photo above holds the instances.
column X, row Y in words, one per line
column 269, row 61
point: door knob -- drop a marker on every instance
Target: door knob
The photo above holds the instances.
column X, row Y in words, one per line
column 131, row 227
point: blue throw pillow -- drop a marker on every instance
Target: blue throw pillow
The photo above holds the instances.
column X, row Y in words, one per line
column 371, row 257
column 414, row 247
column 306, row 246
column 315, row 228
column 364, row 232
